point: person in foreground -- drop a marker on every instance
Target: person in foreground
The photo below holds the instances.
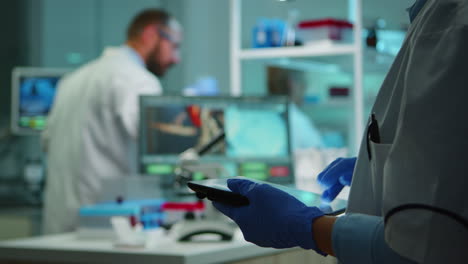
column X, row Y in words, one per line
column 407, row 202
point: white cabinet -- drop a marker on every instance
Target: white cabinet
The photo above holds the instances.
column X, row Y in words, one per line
column 355, row 50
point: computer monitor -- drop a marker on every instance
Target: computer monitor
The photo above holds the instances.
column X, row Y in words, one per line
column 33, row 93
column 256, row 144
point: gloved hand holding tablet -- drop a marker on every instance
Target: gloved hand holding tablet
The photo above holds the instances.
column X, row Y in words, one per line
column 268, row 215
column 217, row 190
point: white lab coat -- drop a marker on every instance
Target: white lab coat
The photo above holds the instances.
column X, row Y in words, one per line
column 91, row 133
column 417, row 175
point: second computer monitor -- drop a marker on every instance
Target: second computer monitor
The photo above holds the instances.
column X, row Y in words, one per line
column 33, row 93
column 256, row 145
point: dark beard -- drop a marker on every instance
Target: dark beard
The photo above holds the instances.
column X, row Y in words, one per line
column 152, row 65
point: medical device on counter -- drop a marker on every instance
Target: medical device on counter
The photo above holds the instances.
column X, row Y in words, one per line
column 95, row 220
column 212, row 222
column 207, row 222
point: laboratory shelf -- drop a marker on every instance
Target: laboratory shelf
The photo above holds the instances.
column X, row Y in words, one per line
column 374, row 62
column 334, row 103
column 353, row 61
column 317, row 50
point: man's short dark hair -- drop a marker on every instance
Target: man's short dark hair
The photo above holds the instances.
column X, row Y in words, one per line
column 144, row 18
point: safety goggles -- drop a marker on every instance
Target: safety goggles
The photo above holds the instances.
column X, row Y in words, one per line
column 175, row 45
column 163, row 34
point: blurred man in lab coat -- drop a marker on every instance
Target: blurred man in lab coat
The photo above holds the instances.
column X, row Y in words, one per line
column 92, row 130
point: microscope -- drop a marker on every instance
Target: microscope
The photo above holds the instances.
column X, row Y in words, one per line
column 212, row 222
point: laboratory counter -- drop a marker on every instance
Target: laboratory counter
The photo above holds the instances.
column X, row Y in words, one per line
column 67, row 248
column 19, row 221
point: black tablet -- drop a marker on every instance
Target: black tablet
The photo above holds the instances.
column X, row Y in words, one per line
column 217, row 190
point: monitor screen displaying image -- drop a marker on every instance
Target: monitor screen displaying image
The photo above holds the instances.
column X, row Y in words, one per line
column 33, row 93
column 256, row 144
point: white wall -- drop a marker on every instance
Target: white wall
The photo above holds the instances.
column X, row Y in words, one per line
column 206, row 40
column 68, row 27
column 115, row 16
column 69, row 33
column 74, row 32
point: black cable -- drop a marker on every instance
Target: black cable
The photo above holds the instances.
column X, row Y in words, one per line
column 456, row 217
column 205, row 148
column 337, row 212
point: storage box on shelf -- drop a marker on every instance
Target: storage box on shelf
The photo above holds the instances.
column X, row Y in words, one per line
column 329, row 30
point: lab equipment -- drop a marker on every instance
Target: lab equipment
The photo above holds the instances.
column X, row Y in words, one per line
column 338, row 92
column 292, row 82
column 290, row 38
column 211, row 222
column 33, row 176
column 178, row 211
column 278, row 32
column 335, row 176
column 189, row 220
column 325, row 31
column 32, row 95
column 172, row 124
column 261, row 34
column 372, row 36
column 126, row 234
column 273, row 210
column 184, row 217
column 188, row 230
column 95, row 220
column 189, row 163
column 204, row 86
column 270, row 32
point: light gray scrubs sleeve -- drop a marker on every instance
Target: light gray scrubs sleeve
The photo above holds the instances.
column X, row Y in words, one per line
column 359, row 238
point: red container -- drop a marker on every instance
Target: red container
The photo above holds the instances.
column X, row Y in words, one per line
column 325, row 30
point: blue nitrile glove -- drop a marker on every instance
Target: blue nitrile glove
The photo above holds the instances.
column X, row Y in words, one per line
column 273, row 218
column 335, row 176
